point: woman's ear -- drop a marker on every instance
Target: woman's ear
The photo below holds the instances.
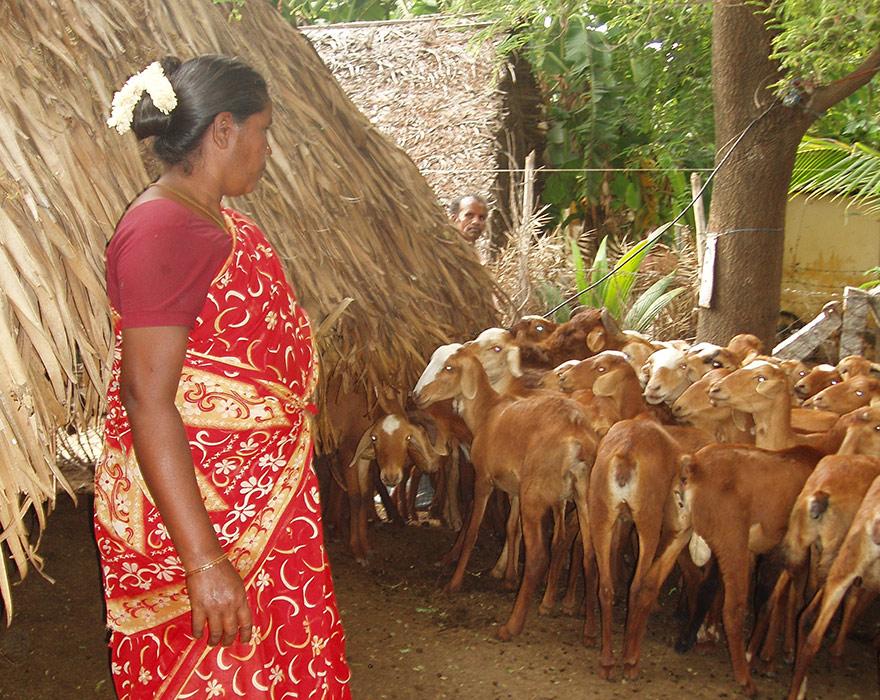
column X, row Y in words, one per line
column 221, row 129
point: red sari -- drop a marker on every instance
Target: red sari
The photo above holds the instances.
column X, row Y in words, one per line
column 243, row 397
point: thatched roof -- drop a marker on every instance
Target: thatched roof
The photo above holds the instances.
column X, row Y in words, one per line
column 348, row 211
column 463, row 115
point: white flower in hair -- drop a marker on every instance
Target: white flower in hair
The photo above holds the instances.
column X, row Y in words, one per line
column 152, row 80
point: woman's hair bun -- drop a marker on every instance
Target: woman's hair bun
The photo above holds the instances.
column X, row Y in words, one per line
column 148, row 120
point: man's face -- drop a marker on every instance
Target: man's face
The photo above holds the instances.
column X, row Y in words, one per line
column 471, row 219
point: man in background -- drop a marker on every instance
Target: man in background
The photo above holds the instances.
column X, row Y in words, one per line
column 469, row 214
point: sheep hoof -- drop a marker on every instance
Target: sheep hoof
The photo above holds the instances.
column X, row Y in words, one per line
column 606, row 673
column 503, row 634
column 631, row 671
column 545, row 609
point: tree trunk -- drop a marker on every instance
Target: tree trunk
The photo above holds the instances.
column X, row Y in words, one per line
column 750, row 191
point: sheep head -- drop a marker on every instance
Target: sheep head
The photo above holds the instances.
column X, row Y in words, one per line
column 450, row 374
column 846, row 396
column 602, row 373
column 862, row 432
column 752, row 388
column 395, row 443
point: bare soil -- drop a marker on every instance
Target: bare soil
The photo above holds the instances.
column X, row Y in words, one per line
column 405, row 639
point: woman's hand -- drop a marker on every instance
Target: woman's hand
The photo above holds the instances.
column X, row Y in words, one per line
column 218, row 599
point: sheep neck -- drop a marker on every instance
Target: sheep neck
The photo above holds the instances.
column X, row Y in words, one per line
column 773, row 425
column 629, row 399
column 475, row 411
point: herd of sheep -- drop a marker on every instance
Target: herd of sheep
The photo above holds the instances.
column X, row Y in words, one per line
column 700, row 456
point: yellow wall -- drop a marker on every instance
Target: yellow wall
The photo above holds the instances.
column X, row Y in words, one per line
column 827, row 247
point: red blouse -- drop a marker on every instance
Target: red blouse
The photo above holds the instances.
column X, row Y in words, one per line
column 161, row 261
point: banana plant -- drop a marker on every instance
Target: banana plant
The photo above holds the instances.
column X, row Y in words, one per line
column 613, row 291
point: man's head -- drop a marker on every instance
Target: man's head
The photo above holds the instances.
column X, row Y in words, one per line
column 469, row 214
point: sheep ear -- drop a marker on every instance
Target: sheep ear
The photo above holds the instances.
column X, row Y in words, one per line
column 604, row 385
column 469, row 381
column 424, row 454
column 596, row 339
column 364, row 449
column 694, row 367
column 874, row 370
column 513, row 361
column 751, row 355
column 768, row 388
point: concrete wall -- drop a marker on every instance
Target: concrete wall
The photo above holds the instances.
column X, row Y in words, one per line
column 827, row 247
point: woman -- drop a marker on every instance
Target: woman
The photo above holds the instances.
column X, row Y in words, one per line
column 206, row 505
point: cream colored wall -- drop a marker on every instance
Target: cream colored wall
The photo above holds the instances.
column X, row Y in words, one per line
column 827, row 247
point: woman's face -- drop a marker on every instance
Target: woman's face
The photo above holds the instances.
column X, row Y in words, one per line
column 250, row 148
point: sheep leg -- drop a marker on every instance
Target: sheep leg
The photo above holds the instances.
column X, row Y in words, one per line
column 648, row 533
column 532, row 513
column 391, row 510
column 829, row 599
column 642, row 601
column 733, row 562
column 704, row 594
column 569, row 600
column 453, row 495
column 581, row 491
column 482, row 491
column 412, row 491
column 357, row 483
column 557, row 558
column 768, row 620
column 508, row 560
column 622, row 543
column 855, row 603
column 602, row 535
column 438, row 502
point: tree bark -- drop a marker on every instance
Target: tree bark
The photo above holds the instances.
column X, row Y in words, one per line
column 751, row 189
column 747, row 212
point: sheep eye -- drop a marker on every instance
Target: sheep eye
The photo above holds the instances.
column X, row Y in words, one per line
column 877, row 428
column 761, row 378
column 802, row 373
column 408, row 438
column 447, row 368
column 682, row 366
column 860, row 393
column 373, row 438
column 835, row 381
column 601, row 369
column 496, row 348
column 716, row 365
column 540, row 329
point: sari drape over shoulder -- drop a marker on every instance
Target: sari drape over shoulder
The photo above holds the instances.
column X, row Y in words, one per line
column 244, row 400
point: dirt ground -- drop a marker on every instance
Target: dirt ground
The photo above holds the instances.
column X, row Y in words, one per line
column 405, row 639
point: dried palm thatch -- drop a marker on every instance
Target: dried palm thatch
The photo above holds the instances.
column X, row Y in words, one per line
column 464, row 116
column 349, row 212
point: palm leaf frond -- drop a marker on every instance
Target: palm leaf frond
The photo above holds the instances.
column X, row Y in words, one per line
column 830, row 168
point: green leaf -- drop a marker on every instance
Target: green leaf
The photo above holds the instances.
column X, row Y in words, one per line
column 599, row 269
column 644, row 301
column 620, row 284
column 643, row 323
column 830, row 168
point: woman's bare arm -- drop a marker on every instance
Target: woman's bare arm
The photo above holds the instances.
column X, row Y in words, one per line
column 152, row 359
